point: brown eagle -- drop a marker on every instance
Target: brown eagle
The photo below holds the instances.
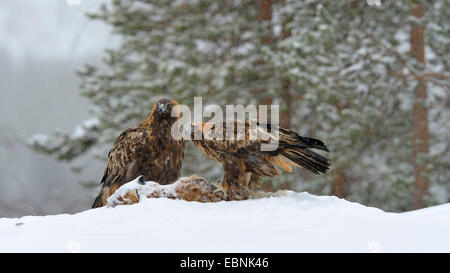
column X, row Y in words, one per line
column 243, row 158
column 147, row 149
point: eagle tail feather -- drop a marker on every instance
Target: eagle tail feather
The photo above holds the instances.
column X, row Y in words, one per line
column 309, row 142
column 307, row 159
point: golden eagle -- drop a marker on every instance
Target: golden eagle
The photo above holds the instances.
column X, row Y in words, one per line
column 243, row 157
column 147, row 149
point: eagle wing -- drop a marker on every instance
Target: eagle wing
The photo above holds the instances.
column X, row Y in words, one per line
column 285, row 148
column 122, row 161
column 264, row 147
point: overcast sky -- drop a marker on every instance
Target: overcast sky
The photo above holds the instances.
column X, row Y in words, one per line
column 42, row 44
column 51, row 29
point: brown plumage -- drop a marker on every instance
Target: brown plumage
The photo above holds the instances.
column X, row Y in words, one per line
column 147, row 149
column 242, row 158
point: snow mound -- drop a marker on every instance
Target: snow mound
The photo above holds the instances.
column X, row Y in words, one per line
column 191, row 188
column 291, row 222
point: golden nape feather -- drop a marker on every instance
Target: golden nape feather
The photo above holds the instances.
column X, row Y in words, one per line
column 250, row 150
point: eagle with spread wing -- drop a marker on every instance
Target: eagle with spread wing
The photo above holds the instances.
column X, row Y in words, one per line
column 255, row 150
column 148, row 149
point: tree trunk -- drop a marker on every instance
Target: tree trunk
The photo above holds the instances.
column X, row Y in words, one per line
column 419, row 110
column 339, row 182
column 286, row 109
column 265, row 14
column 286, row 114
column 338, row 185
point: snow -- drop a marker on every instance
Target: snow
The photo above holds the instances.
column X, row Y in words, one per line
column 289, row 222
column 81, row 130
column 39, row 139
column 144, row 189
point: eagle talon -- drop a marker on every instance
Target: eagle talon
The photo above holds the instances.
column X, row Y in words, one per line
column 141, row 180
column 220, row 188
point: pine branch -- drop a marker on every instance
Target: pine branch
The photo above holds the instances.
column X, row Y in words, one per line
column 427, row 76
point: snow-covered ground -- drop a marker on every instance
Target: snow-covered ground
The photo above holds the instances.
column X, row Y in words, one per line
column 292, row 222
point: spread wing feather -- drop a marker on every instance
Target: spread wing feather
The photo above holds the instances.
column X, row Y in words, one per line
column 289, row 148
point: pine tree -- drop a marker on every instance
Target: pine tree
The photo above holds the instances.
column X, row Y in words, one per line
column 340, row 70
column 354, row 57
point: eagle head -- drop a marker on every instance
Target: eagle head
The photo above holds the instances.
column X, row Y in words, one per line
column 166, row 109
